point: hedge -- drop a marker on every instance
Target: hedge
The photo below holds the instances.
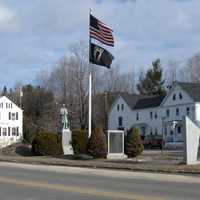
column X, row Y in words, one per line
column 79, row 141
column 46, row 143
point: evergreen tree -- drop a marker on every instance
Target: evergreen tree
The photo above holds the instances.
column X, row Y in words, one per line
column 134, row 145
column 152, row 83
column 97, row 146
column 40, row 111
column 5, row 91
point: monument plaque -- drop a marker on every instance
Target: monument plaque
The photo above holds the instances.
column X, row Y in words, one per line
column 116, row 144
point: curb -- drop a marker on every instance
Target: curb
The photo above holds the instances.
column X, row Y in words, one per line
column 109, row 166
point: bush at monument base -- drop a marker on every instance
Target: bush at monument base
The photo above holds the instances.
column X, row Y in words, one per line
column 79, row 141
column 47, row 144
column 97, row 146
column 133, row 145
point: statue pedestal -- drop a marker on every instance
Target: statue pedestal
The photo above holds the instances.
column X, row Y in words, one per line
column 66, row 142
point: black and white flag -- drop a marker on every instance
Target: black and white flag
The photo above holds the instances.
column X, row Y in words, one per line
column 100, row 56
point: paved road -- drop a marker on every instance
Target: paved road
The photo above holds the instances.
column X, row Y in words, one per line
column 34, row 182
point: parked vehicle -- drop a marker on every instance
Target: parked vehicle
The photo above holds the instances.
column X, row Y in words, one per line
column 153, row 141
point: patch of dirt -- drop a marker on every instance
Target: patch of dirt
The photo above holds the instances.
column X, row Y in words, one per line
column 18, row 149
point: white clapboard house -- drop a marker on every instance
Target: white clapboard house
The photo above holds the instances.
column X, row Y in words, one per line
column 157, row 115
column 11, row 122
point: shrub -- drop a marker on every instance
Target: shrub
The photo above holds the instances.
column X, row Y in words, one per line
column 79, row 141
column 47, row 144
column 134, row 145
column 29, row 133
column 97, row 146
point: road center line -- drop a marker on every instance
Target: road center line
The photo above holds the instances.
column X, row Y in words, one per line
column 80, row 190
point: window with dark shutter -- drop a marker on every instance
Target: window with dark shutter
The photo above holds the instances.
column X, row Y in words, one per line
column 120, row 121
column 151, row 115
column 177, row 112
column 9, row 115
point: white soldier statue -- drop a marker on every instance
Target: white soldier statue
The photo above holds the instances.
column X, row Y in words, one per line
column 65, row 132
column 64, row 117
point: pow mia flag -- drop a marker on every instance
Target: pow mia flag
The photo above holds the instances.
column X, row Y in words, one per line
column 100, row 56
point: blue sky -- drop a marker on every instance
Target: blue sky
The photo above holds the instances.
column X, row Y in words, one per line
column 36, row 34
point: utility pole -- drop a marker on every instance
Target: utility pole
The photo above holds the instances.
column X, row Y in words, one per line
column 163, row 130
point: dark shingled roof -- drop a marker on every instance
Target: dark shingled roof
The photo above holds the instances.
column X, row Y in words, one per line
column 150, row 102
column 132, row 99
column 136, row 101
column 193, row 90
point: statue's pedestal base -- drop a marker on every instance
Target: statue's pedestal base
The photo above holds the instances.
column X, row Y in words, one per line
column 66, row 142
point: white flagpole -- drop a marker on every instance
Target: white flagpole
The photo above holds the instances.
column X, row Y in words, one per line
column 90, row 105
column 90, row 90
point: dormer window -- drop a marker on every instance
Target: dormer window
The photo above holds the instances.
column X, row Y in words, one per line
column 180, row 96
column 174, row 97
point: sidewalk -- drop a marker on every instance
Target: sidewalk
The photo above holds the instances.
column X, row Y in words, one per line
column 149, row 161
column 157, row 166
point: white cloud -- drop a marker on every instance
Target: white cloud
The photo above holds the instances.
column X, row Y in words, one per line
column 7, row 18
column 35, row 34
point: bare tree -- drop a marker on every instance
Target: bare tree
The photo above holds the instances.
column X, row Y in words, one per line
column 112, row 80
column 69, row 83
column 192, row 69
column 170, row 72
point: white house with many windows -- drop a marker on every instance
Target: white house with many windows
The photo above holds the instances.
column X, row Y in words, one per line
column 157, row 115
column 11, row 122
